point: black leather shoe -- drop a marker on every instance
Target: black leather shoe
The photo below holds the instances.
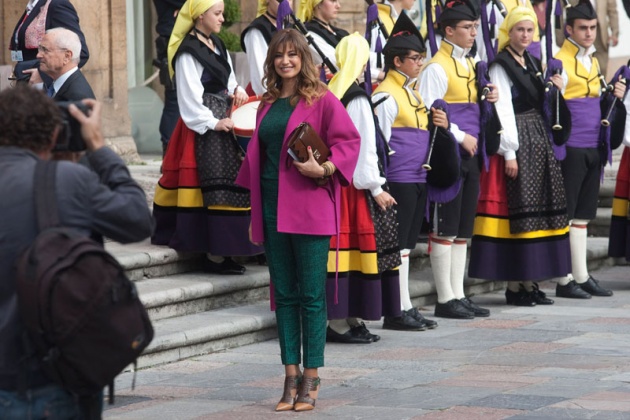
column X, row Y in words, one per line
column 572, row 291
column 592, row 286
column 362, row 331
column 405, row 322
column 454, row 308
column 539, row 296
column 333, row 336
column 520, row 298
column 429, row 323
column 476, row 309
column 227, row 266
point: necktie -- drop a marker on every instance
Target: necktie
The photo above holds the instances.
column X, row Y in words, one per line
column 51, row 90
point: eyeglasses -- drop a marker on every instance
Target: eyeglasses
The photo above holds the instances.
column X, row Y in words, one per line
column 46, row 50
column 469, row 27
column 415, row 58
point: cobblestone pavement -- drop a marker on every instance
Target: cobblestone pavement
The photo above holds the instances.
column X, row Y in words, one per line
column 568, row 360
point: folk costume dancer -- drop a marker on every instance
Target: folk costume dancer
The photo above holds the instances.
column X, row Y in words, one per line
column 619, row 238
column 255, row 40
column 366, row 286
column 450, row 74
column 317, row 16
column 492, row 18
column 197, row 207
column 521, row 231
column 582, row 167
column 404, row 122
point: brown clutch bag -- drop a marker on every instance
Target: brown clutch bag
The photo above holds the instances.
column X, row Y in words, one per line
column 302, row 137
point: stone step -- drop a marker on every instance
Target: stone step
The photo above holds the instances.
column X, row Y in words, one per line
column 207, row 332
column 142, row 260
column 189, row 293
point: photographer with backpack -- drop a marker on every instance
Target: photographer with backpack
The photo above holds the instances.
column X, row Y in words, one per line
column 104, row 200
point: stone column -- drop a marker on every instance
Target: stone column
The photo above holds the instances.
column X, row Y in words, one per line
column 103, row 23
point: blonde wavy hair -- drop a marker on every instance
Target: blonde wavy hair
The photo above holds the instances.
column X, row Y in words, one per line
column 309, row 87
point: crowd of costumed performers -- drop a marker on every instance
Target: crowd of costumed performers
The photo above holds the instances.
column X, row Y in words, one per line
column 472, row 125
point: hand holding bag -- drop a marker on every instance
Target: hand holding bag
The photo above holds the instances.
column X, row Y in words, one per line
column 299, row 141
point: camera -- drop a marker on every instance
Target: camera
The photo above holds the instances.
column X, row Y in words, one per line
column 70, row 138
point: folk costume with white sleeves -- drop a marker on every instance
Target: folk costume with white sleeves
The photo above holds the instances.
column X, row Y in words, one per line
column 404, row 122
column 197, row 205
column 255, row 40
column 583, row 165
column 450, row 75
column 521, row 231
column 365, row 268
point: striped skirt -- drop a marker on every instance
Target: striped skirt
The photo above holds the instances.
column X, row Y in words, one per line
column 367, row 284
column 183, row 221
column 619, row 238
column 521, row 229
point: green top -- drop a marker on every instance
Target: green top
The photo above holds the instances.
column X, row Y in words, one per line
column 271, row 135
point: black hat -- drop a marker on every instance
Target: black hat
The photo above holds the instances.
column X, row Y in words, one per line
column 405, row 36
column 583, row 10
column 459, row 10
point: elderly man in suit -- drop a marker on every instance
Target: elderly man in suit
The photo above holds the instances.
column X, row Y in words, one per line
column 59, row 54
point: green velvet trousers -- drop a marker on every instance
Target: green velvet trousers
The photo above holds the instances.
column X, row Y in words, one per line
column 297, row 265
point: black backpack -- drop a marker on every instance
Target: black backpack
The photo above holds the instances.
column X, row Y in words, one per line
column 83, row 319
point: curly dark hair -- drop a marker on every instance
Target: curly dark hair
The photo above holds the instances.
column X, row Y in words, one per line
column 28, row 118
column 309, row 86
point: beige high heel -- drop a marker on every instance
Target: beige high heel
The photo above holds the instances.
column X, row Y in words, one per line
column 304, row 401
column 287, row 401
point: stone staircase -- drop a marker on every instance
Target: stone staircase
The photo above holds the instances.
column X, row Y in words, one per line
column 196, row 313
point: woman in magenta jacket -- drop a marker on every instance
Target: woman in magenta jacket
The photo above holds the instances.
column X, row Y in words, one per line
column 291, row 214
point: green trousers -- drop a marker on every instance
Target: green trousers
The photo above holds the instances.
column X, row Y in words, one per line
column 297, row 265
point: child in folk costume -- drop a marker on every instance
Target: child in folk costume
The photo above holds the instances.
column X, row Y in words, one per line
column 450, row 74
column 404, row 121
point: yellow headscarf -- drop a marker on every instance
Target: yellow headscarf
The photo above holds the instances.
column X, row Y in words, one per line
column 186, row 17
column 352, row 53
column 305, row 9
column 262, row 7
column 516, row 15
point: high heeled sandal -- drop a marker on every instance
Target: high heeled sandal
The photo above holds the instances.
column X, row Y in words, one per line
column 304, row 402
column 287, row 401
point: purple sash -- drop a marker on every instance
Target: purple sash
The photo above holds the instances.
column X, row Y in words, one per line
column 585, row 120
column 411, row 147
column 466, row 116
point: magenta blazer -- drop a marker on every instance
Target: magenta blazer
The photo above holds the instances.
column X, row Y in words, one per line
column 303, row 207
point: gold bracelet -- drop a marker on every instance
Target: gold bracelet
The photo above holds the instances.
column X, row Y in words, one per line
column 329, row 168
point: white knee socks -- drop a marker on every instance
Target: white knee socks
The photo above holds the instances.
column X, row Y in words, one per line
column 577, row 238
column 403, row 280
column 441, row 255
column 458, row 267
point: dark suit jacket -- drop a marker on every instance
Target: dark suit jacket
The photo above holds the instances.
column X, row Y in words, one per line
column 75, row 88
column 61, row 14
